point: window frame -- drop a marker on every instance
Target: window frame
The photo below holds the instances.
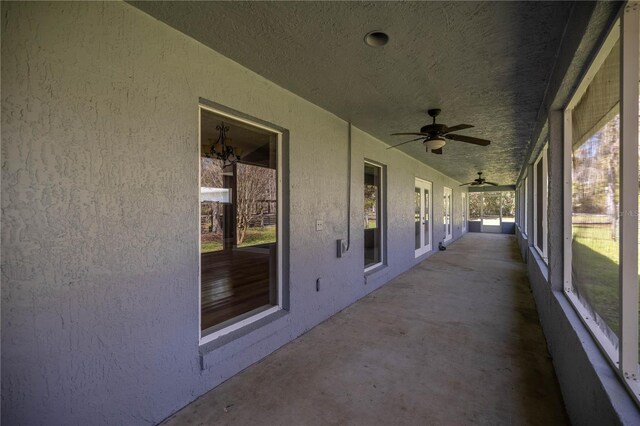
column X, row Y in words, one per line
column 526, row 206
column 624, row 359
column 544, row 200
column 244, row 320
column 382, row 219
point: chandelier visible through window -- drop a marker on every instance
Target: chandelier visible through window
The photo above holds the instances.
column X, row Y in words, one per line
column 221, row 150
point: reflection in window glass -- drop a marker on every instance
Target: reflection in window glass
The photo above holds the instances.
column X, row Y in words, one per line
column 595, row 197
column 372, row 215
column 238, row 222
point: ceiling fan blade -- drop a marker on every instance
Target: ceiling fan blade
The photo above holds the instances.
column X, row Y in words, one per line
column 409, row 134
column 437, row 151
column 458, row 127
column 491, row 183
column 468, row 139
column 402, row 143
column 468, row 183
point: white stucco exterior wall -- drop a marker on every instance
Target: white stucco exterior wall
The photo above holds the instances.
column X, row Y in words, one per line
column 100, row 214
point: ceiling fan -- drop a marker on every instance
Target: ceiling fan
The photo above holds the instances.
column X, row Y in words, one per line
column 479, row 181
column 434, row 135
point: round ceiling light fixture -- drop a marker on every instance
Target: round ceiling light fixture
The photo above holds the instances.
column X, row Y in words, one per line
column 435, row 143
column 376, row 38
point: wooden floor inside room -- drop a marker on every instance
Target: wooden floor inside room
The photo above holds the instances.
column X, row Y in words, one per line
column 233, row 282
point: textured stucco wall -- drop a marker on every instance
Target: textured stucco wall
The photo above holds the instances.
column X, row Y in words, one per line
column 100, row 213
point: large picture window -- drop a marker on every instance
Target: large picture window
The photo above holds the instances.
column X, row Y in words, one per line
column 373, row 216
column 238, row 222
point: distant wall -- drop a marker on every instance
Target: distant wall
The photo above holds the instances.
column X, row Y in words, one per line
column 100, row 214
column 506, row 227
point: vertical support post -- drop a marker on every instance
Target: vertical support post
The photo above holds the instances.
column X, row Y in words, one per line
column 567, row 209
column 629, row 73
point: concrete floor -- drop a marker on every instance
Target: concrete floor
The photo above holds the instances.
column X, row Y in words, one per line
column 453, row 341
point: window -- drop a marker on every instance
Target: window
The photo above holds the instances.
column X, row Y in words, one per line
column 239, row 208
column 595, row 197
column 520, row 207
column 422, row 216
column 373, row 216
column 517, row 205
column 525, row 206
column 601, row 136
column 540, row 194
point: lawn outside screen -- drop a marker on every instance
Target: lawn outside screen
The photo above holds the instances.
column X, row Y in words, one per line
column 595, row 197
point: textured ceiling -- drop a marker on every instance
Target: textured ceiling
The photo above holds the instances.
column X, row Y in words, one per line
column 482, row 63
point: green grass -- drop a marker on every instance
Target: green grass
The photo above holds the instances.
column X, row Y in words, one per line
column 256, row 236
column 210, row 246
column 596, row 268
column 253, row 237
column 371, row 224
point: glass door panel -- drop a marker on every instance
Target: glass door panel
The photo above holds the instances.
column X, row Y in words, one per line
column 422, row 212
column 448, row 232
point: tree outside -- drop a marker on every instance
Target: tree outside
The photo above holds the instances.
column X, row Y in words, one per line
column 255, row 208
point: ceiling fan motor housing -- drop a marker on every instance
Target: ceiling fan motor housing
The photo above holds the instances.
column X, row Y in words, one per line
column 434, row 129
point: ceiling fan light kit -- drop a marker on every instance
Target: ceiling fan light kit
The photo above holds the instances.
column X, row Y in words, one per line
column 435, row 143
column 435, row 135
